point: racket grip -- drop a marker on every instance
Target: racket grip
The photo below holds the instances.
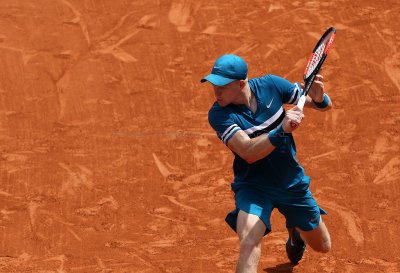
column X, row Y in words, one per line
column 301, row 102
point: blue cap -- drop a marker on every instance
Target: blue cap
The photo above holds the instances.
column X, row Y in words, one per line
column 227, row 68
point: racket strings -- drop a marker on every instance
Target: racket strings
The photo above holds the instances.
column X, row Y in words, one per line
column 317, row 55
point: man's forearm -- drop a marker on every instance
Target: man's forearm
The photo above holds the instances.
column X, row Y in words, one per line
column 258, row 148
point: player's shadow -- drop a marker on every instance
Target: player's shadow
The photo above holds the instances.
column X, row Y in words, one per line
column 281, row 268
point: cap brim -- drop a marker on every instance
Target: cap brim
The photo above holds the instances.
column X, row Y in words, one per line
column 217, row 80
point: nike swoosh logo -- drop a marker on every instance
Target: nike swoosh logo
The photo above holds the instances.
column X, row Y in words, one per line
column 269, row 105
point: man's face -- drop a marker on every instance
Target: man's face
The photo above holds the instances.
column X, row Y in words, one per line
column 227, row 94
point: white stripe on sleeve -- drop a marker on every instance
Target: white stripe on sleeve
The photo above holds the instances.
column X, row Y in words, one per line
column 228, row 132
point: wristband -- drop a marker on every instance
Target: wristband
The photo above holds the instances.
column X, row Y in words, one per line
column 277, row 136
column 324, row 103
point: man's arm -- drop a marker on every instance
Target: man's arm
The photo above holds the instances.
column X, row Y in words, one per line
column 254, row 149
column 250, row 149
column 317, row 94
column 310, row 104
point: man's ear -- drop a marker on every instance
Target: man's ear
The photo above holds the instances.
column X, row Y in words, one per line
column 242, row 83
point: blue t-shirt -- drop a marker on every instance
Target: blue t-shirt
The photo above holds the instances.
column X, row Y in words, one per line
column 280, row 169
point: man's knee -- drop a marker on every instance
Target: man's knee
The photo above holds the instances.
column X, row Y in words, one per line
column 248, row 245
column 250, row 251
column 323, row 244
column 323, row 247
column 318, row 239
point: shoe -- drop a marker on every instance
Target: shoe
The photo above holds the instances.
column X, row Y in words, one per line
column 295, row 246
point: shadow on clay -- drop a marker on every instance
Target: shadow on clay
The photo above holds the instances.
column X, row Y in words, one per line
column 284, row 268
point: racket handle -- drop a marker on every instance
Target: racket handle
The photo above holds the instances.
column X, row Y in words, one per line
column 301, row 102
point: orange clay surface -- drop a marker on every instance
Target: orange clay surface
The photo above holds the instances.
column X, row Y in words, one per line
column 107, row 160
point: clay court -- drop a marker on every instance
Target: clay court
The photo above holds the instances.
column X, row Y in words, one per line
column 107, row 160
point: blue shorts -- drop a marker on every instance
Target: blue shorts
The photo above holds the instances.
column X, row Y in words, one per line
column 299, row 208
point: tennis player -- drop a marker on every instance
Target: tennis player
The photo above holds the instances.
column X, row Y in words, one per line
column 249, row 118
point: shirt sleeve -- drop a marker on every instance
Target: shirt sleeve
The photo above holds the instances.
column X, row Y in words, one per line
column 223, row 124
column 290, row 92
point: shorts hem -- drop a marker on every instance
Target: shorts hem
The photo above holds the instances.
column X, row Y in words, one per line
column 231, row 220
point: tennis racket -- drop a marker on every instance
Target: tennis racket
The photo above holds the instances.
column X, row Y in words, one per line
column 315, row 62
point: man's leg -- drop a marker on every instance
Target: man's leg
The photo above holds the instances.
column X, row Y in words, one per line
column 250, row 230
column 318, row 239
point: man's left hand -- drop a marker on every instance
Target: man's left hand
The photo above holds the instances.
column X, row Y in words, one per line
column 317, row 89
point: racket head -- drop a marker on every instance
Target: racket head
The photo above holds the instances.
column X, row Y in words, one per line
column 319, row 53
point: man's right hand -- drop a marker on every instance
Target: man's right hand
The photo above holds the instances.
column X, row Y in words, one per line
column 292, row 119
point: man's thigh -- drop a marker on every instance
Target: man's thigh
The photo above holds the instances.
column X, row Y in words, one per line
column 318, row 238
column 251, row 202
column 250, row 227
